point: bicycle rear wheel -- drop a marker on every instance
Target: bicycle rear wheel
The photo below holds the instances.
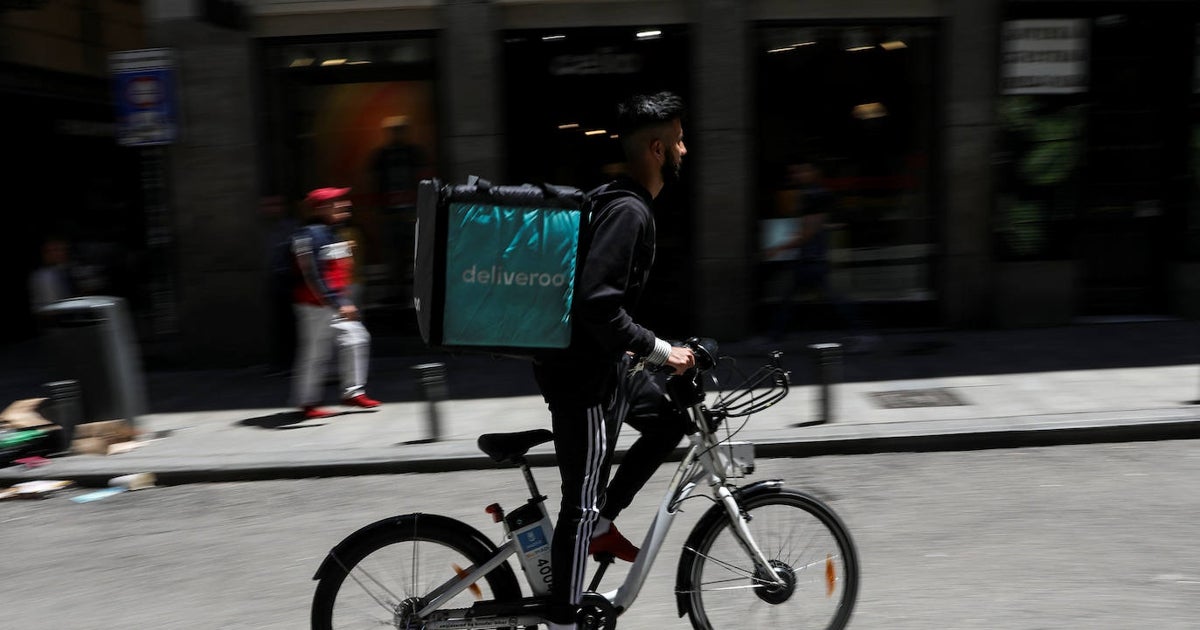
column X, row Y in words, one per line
column 805, row 542
column 380, row 576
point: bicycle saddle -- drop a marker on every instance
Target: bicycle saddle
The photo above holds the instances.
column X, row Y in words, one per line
column 506, row 447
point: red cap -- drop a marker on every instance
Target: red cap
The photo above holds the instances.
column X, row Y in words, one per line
column 325, row 194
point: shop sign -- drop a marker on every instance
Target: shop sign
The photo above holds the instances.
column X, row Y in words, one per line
column 144, row 96
column 1044, row 57
column 599, row 62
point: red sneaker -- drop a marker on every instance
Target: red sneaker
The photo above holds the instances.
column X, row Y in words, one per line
column 613, row 542
column 313, row 412
column 360, row 400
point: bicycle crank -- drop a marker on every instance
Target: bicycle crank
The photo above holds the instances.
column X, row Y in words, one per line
column 597, row 613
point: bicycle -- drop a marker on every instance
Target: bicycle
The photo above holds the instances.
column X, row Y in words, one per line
column 761, row 549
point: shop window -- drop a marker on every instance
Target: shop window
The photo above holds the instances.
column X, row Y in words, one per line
column 1039, row 162
column 859, row 103
column 357, row 113
column 1094, row 133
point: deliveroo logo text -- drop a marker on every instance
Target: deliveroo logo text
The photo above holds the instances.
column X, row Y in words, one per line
column 510, row 276
column 499, row 275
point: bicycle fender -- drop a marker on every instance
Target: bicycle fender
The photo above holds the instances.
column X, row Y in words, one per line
column 409, row 521
column 683, row 581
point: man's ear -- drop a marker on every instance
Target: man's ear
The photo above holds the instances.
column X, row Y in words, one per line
column 657, row 147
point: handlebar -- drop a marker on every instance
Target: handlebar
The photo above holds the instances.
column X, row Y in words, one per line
column 687, row 389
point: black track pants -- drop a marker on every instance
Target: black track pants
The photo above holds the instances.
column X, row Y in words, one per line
column 584, row 438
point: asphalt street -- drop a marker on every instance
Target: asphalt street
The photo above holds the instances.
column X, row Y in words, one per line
column 1082, row 536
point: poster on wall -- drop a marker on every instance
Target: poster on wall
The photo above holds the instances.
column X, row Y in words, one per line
column 1044, row 57
column 144, row 94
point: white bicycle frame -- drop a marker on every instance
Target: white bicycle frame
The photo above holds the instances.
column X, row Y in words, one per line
column 705, row 460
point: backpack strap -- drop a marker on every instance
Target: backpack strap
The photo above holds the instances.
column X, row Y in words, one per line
column 601, row 195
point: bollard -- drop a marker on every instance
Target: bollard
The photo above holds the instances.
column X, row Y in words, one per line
column 827, row 358
column 65, row 409
column 431, row 378
column 1194, row 402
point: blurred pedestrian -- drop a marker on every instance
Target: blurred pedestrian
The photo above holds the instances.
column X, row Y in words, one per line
column 324, row 309
column 398, row 167
column 811, row 269
column 54, row 279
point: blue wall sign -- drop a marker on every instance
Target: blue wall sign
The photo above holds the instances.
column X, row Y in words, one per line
column 144, row 93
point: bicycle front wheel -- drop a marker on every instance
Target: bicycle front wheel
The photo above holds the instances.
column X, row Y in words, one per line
column 806, row 544
column 381, row 575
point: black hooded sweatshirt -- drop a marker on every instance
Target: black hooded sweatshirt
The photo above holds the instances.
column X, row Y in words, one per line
column 616, row 253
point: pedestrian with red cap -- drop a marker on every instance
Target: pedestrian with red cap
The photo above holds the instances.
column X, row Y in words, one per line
column 324, row 308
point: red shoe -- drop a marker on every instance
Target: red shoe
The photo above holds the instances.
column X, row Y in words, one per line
column 614, row 543
column 313, row 412
column 360, row 400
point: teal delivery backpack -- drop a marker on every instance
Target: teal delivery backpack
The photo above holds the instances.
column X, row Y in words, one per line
column 494, row 266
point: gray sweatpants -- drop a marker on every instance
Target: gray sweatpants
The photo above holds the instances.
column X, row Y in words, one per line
column 316, row 326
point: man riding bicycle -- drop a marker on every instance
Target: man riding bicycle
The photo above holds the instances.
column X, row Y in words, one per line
column 596, row 384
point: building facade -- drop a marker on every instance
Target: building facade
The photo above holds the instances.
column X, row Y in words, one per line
column 994, row 163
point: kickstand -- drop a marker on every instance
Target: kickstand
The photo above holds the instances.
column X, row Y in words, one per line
column 605, row 560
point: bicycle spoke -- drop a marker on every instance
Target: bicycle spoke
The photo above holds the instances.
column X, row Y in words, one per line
column 726, row 565
column 816, row 562
column 725, row 588
column 413, row 563
column 756, row 581
column 352, row 573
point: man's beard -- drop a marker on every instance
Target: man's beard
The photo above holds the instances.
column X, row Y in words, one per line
column 671, row 168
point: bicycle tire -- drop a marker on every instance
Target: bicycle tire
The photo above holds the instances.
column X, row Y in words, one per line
column 379, row 558
column 816, row 554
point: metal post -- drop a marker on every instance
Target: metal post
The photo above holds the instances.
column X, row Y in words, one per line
column 1194, row 402
column 66, row 408
column 431, row 377
column 827, row 358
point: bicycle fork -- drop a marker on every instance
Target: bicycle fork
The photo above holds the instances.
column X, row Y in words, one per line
column 741, row 531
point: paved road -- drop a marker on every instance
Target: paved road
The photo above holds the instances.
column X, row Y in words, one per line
column 1067, row 537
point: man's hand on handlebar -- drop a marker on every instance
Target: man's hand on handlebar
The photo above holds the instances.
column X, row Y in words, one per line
column 680, row 360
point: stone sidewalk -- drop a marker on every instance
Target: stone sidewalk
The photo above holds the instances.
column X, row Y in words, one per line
column 918, row 390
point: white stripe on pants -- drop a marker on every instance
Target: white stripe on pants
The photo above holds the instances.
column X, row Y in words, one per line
column 594, row 474
column 315, row 325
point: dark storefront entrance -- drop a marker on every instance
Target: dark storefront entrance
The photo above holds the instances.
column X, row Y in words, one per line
column 561, row 90
column 1138, row 160
column 69, row 179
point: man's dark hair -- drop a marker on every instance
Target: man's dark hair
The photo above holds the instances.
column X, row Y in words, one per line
column 647, row 110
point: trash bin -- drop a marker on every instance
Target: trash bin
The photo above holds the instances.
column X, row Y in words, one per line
column 90, row 340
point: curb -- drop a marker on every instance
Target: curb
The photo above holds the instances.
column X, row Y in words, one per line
column 898, row 442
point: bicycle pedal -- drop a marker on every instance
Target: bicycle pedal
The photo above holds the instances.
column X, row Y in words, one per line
column 604, row 557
